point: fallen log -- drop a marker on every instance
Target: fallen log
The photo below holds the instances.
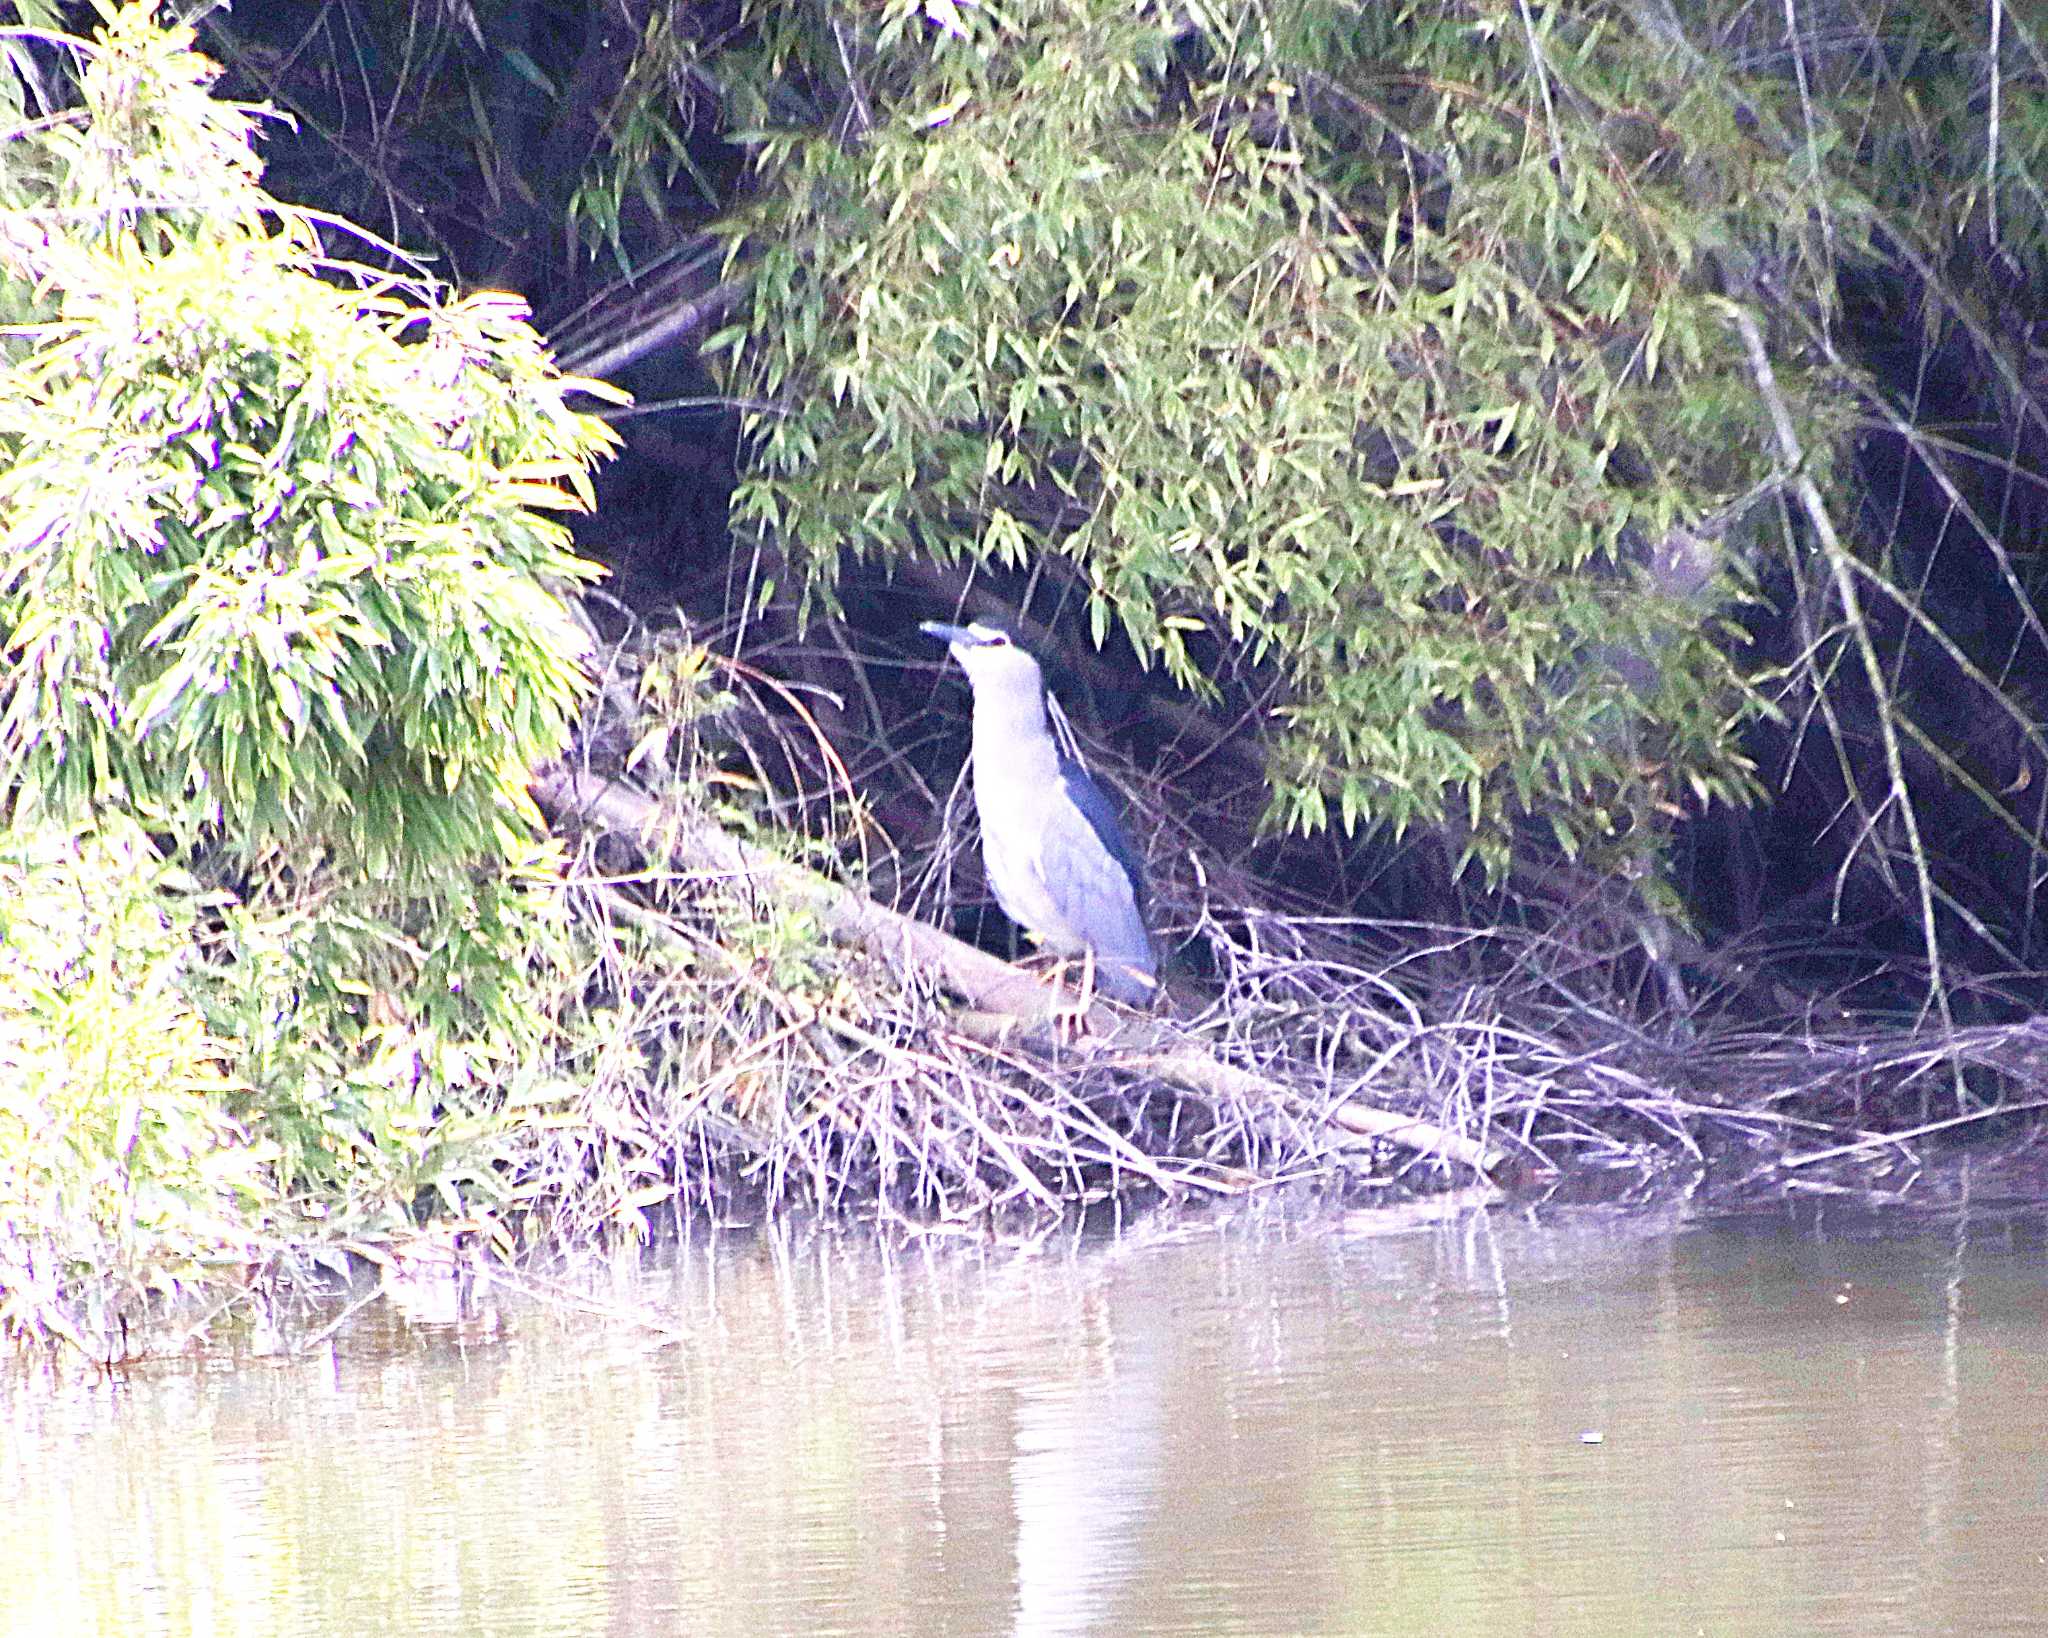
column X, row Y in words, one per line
column 1015, row 1008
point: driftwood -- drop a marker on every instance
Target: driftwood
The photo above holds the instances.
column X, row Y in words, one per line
column 1009, row 1006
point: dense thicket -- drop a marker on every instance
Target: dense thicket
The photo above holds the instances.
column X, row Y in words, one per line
column 283, row 600
column 1376, row 373
column 1598, row 439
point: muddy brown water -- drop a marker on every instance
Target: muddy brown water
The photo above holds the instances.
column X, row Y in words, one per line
column 1259, row 1420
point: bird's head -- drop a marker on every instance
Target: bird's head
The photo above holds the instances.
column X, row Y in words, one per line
column 989, row 655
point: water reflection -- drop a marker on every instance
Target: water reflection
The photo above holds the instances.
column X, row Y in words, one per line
column 1270, row 1420
column 1087, row 1476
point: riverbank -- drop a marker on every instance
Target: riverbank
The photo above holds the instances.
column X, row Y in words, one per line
column 739, row 1036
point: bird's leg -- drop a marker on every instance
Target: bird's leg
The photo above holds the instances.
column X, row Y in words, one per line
column 1087, row 980
column 1071, row 1023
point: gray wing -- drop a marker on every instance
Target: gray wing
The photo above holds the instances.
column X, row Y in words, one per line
column 1100, row 813
column 1095, row 883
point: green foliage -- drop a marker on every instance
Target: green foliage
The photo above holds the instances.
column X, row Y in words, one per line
column 1951, row 135
column 1376, row 345
column 24, row 95
column 373, row 1049
column 281, row 580
column 645, row 140
column 280, row 572
column 274, row 567
column 122, row 1169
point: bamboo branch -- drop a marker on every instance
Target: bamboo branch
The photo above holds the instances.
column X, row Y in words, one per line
column 1807, row 492
column 679, row 322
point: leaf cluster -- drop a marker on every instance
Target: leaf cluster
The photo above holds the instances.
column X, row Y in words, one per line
column 645, row 142
column 122, row 1169
column 279, row 560
column 1372, row 349
column 283, row 614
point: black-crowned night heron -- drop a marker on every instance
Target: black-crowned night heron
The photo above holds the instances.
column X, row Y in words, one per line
column 1055, row 855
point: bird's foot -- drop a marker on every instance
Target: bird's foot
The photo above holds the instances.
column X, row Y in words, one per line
column 1070, row 1016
